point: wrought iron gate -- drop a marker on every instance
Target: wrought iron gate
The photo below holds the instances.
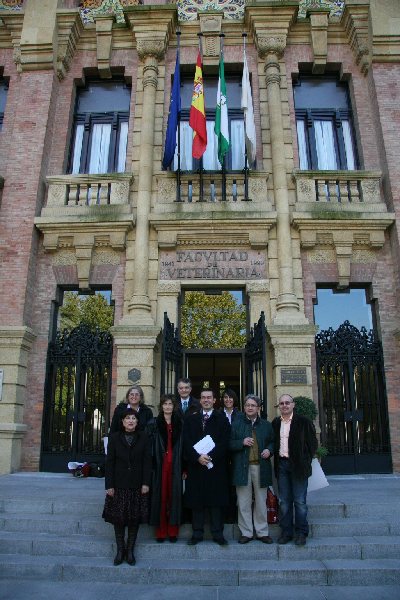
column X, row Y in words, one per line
column 77, row 397
column 255, row 356
column 171, row 358
column 352, row 400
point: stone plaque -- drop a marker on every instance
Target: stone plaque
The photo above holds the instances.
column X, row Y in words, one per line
column 212, row 264
column 134, row 375
column 290, row 375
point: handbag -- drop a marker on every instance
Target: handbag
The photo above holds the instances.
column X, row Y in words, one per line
column 272, row 507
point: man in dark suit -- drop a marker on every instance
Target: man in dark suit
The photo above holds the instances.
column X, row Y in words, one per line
column 187, row 404
column 207, row 480
column 295, row 446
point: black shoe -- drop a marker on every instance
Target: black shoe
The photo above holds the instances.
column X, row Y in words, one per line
column 221, row 541
column 300, row 540
column 194, row 541
column 173, row 539
column 244, row 539
column 160, row 540
column 119, row 557
column 266, row 539
column 285, row 538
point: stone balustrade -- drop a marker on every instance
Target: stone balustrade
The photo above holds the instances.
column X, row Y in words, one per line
column 209, row 188
column 339, row 187
column 88, row 190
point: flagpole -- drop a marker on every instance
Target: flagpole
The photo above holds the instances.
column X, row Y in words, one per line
column 178, row 176
column 201, row 190
column 246, row 166
column 221, row 36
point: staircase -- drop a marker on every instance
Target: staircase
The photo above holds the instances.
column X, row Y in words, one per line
column 51, row 529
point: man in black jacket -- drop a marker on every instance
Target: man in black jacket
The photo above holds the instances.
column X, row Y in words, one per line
column 207, row 479
column 295, row 446
column 187, row 404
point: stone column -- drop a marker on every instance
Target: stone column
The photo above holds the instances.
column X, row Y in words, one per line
column 271, row 47
column 150, row 52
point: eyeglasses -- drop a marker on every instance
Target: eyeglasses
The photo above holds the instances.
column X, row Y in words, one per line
column 285, row 403
column 251, row 405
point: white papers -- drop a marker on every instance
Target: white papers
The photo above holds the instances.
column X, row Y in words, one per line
column 317, row 480
column 204, row 446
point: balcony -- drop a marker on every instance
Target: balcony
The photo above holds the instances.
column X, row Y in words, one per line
column 74, row 191
column 212, row 192
column 330, row 191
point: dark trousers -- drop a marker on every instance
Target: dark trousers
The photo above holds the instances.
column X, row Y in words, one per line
column 216, row 522
column 292, row 493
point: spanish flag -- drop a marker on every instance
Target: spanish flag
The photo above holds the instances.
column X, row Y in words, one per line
column 197, row 117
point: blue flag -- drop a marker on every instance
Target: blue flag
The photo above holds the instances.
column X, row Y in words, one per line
column 174, row 112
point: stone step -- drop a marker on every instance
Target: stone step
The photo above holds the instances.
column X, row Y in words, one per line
column 66, row 507
column 95, row 525
column 41, row 544
column 355, row 527
column 204, row 572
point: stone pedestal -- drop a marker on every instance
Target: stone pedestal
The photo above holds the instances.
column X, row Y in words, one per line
column 291, row 350
column 137, row 348
column 15, row 346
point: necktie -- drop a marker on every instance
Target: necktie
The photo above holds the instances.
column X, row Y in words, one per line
column 185, row 405
column 206, row 416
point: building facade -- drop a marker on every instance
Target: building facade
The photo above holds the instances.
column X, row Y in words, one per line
column 86, row 207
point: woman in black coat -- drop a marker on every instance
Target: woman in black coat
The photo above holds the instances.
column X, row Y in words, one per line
column 166, row 498
column 128, row 474
column 134, row 398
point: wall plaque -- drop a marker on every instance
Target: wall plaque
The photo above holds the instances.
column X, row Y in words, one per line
column 228, row 263
column 290, row 375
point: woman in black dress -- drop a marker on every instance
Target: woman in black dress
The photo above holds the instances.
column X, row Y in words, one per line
column 128, row 474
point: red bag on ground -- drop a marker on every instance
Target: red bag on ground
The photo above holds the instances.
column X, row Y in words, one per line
column 272, row 507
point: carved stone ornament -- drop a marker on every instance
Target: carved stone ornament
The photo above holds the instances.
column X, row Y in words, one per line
column 90, row 9
column 335, row 7
column 11, row 5
column 151, row 47
column 69, row 31
column 231, row 9
column 274, row 44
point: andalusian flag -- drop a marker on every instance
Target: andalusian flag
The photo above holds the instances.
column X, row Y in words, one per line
column 221, row 114
column 197, row 117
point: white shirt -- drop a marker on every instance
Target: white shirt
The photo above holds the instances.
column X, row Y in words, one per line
column 284, row 437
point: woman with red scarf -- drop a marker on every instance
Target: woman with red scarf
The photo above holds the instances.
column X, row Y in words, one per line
column 166, row 501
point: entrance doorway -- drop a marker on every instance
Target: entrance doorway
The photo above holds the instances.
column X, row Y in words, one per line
column 217, row 370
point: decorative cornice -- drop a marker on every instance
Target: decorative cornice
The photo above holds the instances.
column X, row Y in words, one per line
column 91, row 9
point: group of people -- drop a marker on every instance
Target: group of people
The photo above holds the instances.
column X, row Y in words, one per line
column 208, row 452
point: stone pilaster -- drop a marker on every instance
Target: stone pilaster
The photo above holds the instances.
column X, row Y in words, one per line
column 15, row 346
column 271, row 47
column 150, row 51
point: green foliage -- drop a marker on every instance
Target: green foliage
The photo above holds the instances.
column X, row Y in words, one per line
column 321, row 452
column 213, row 321
column 305, row 406
column 92, row 310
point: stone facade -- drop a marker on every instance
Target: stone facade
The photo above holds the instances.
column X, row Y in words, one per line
column 306, row 231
